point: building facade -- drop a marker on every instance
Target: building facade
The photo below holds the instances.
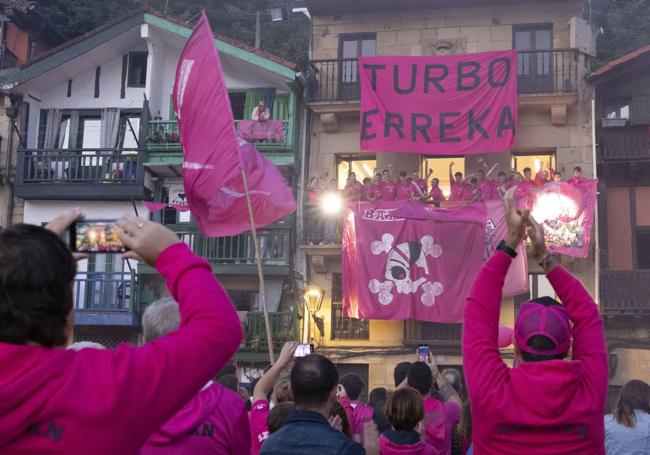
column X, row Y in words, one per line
column 98, row 131
column 623, row 118
column 555, row 43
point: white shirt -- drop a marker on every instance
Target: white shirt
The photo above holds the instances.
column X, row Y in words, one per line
column 263, row 116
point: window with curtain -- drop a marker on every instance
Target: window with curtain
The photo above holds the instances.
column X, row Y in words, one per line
column 238, row 103
column 137, row 75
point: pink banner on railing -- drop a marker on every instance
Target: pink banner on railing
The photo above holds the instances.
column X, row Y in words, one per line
column 158, row 206
column 213, row 154
column 262, row 130
column 453, row 105
column 566, row 211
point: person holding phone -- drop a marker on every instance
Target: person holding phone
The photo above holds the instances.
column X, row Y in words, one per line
column 55, row 400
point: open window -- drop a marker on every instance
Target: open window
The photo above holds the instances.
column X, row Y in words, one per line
column 440, row 168
column 363, row 166
column 536, row 161
column 137, row 69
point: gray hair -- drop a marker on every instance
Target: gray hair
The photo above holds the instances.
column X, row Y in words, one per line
column 79, row 345
column 160, row 318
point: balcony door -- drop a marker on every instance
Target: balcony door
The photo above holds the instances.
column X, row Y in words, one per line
column 351, row 47
column 534, row 67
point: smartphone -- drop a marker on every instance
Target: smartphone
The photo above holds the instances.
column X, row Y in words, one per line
column 303, row 350
column 95, row 236
column 423, row 353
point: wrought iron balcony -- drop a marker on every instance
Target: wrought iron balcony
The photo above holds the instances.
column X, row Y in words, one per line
column 538, row 72
column 284, row 327
column 441, row 336
column 105, row 298
column 625, row 292
column 164, row 137
column 239, row 250
column 631, row 143
column 81, row 174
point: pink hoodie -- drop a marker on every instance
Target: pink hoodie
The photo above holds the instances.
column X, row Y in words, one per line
column 111, row 401
column 357, row 413
column 538, row 408
column 388, row 447
column 214, row 422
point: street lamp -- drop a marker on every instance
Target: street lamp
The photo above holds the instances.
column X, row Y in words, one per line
column 313, row 302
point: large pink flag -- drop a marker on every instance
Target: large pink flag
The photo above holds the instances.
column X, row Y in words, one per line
column 398, row 268
column 213, row 154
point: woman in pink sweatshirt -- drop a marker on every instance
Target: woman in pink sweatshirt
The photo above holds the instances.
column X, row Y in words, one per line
column 54, row 400
column 546, row 405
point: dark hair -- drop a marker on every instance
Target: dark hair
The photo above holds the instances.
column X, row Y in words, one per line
column 527, row 169
column 385, row 171
column 542, row 342
column 404, row 409
column 501, row 173
column 635, row 394
column 480, row 171
column 366, row 180
column 420, row 378
column 279, row 415
column 353, row 385
column 577, row 168
column 378, row 174
column 402, row 174
column 401, row 371
column 473, row 180
column 339, row 410
column 377, row 395
column 313, row 378
column 436, row 179
column 230, row 381
column 458, row 174
column 36, row 273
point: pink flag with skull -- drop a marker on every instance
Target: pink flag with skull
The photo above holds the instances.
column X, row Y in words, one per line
column 413, row 261
column 398, row 268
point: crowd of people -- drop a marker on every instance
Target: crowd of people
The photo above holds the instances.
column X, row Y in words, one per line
column 481, row 186
column 161, row 397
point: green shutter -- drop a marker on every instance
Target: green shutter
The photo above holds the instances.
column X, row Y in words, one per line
column 281, row 107
column 640, row 110
column 253, row 97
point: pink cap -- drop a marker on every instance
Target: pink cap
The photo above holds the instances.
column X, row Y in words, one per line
column 551, row 320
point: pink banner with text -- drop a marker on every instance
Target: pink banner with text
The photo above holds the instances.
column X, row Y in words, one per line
column 452, row 105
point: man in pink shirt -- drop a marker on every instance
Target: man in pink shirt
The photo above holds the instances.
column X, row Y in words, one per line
column 419, row 186
column 55, row 400
column 373, row 191
column 388, row 187
column 546, row 404
column 353, row 386
column 404, row 189
column 353, row 188
column 577, row 176
column 214, row 421
column 459, row 189
column 259, row 413
column 436, row 193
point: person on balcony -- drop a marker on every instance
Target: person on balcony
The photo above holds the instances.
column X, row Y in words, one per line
column 403, row 189
column 436, row 193
column 545, row 404
column 460, row 190
column 388, row 187
column 353, row 189
column 260, row 112
column 577, row 176
column 55, row 400
column 213, row 421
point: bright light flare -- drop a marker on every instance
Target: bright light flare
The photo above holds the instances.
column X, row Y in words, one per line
column 332, row 204
column 313, row 292
column 552, row 206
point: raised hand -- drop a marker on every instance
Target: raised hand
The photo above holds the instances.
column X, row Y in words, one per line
column 146, row 239
column 62, row 222
column 286, row 354
column 517, row 220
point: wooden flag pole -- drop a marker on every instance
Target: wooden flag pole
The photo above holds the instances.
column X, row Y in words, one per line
column 258, row 260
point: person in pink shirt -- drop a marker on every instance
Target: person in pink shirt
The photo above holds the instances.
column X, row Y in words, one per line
column 353, row 189
column 404, row 189
column 353, row 386
column 474, row 193
column 259, row 413
column 459, row 189
column 405, row 411
column 545, row 404
column 436, row 193
column 213, row 422
column 388, row 187
column 419, row 186
column 54, row 400
column 486, row 184
column 577, row 176
column 557, row 177
column 373, row 191
column 503, row 185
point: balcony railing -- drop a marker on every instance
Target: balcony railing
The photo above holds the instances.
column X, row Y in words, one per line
column 625, row 143
column 540, row 71
column 274, row 246
column 80, row 173
column 625, row 291
column 164, row 137
column 319, row 228
column 284, row 327
column 432, row 334
column 7, row 58
column 104, row 291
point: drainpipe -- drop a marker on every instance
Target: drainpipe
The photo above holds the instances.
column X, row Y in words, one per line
column 12, row 113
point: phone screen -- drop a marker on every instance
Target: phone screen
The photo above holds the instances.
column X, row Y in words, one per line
column 423, row 353
column 303, row 349
column 95, row 236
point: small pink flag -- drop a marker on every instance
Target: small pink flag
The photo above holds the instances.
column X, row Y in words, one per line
column 213, row 154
